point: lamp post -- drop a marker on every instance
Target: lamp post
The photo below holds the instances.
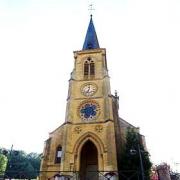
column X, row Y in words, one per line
column 141, row 163
column 139, row 151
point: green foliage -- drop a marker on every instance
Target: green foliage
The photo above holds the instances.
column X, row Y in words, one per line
column 3, row 163
column 21, row 165
column 130, row 159
column 35, row 160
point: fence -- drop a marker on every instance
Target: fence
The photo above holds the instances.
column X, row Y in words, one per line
column 72, row 175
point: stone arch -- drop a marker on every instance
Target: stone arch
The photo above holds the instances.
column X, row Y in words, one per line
column 89, row 67
column 89, row 136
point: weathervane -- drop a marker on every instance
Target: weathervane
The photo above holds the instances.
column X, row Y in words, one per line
column 91, row 9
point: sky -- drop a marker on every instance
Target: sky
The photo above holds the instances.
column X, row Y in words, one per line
column 142, row 40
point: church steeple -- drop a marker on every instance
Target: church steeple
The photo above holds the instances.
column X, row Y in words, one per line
column 91, row 40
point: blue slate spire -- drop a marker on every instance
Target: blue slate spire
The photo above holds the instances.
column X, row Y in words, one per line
column 91, row 41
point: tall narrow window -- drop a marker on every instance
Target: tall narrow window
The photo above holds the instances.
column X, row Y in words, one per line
column 89, row 68
column 86, row 68
column 58, row 154
column 92, row 69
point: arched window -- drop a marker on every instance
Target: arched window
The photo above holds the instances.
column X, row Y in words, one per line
column 89, row 68
column 86, row 68
column 58, row 154
column 92, row 69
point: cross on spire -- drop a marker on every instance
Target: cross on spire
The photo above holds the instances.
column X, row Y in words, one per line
column 91, row 9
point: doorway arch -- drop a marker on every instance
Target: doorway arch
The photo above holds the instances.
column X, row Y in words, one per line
column 89, row 136
column 89, row 161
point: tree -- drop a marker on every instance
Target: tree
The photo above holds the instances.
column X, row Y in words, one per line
column 130, row 160
column 3, row 163
column 35, row 160
column 22, row 165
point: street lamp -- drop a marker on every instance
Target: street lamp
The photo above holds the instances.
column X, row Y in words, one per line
column 141, row 163
column 134, row 152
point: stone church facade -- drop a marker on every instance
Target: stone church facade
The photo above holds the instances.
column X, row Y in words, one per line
column 92, row 135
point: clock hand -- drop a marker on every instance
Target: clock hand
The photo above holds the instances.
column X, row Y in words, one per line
column 88, row 88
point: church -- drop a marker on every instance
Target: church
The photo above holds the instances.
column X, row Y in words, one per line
column 88, row 144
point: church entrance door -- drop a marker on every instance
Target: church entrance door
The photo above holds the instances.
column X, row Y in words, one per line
column 89, row 162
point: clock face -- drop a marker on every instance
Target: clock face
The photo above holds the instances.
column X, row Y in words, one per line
column 89, row 110
column 89, row 89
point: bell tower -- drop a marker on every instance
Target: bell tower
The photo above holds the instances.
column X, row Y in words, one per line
column 86, row 142
column 89, row 87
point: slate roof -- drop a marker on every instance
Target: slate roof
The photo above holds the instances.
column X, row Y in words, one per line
column 91, row 40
